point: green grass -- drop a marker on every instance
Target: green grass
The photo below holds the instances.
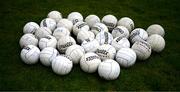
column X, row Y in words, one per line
column 160, row 72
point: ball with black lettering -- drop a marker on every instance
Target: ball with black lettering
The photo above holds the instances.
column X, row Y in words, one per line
column 120, row 42
column 75, row 17
column 60, row 32
column 90, row 45
column 92, row 19
column 126, row 22
column 120, row 31
column 64, row 42
column 30, row 27
column 75, row 52
column 109, row 69
column 47, row 41
column 142, row 49
column 110, row 21
column 89, row 62
column 138, row 34
column 98, row 27
column 80, row 26
column 49, row 23
column 30, row 54
column 104, row 37
column 106, row 51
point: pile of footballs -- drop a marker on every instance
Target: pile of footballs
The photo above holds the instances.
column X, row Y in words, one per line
column 101, row 46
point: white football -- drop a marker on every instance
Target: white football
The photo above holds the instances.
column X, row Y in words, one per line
column 75, row 52
column 56, row 15
column 61, row 65
column 90, row 45
column 126, row 22
column 89, row 62
column 75, row 17
column 109, row 69
column 138, row 34
column 110, row 21
column 156, row 29
column 83, row 35
column 98, row 27
column 104, row 37
column 30, row 54
column 64, row 42
column 120, row 31
column 65, row 23
column 126, row 57
column 47, row 55
column 80, row 26
column 142, row 49
column 106, row 51
column 47, row 41
column 60, row 32
column 30, row 27
column 28, row 39
column 49, row 23
column 120, row 42
column 157, row 42
column 92, row 19
column 42, row 32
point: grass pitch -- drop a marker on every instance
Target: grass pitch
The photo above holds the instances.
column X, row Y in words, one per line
column 160, row 72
